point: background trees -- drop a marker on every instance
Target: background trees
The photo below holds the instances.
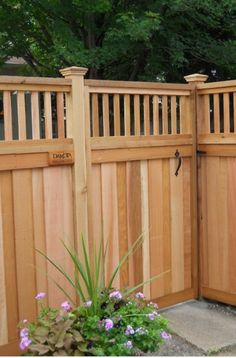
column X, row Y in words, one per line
column 122, row 39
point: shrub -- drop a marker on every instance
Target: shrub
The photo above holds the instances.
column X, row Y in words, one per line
column 108, row 322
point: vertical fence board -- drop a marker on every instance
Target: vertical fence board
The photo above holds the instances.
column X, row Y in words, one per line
column 35, row 115
column 156, row 225
column 186, row 223
column 216, row 114
column 145, row 227
column 156, row 129
column 127, row 114
column 6, row 194
column 48, row 115
column 95, row 115
column 146, row 115
column 116, row 99
column 110, row 219
column 164, row 115
column 122, row 221
column 25, row 254
column 226, row 113
column 176, row 207
column 173, row 115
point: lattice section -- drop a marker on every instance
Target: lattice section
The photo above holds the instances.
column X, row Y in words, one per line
column 32, row 115
column 138, row 114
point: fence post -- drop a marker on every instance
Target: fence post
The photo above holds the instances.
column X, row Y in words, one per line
column 194, row 80
column 77, row 129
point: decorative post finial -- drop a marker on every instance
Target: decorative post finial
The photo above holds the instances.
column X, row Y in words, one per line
column 196, row 78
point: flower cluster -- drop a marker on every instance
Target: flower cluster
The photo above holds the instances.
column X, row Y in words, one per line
column 132, row 325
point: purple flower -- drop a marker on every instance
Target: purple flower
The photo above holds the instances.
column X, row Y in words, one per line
column 129, row 330
column 24, row 332
column 24, row 343
column 88, row 303
column 108, row 324
column 116, row 294
column 151, row 316
column 66, row 306
column 165, row 335
column 40, row 295
column 140, row 295
column 153, row 305
column 128, row 344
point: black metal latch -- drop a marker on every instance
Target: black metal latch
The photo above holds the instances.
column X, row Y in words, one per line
column 177, row 156
column 201, row 152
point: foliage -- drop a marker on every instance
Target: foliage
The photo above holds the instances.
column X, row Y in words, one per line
column 124, row 326
column 128, row 40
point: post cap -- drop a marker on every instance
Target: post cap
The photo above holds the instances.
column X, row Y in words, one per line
column 196, row 77
column 73, row 71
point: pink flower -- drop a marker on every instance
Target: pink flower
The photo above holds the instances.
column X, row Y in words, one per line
column 140, row 295
column 165, row 335
column 116, row 294
column 108, row 324
column 88, row 303
column 24, row 343
column 24, row 332
column 66, row 306
column 40, row 296
column 24, row 321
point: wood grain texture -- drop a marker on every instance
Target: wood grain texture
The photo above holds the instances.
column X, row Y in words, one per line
column 122, row 220
column 7, row 112
column 110, row 219
column 8, row 230
column 187, row 223
column 116, row 104
column 164, row 115
column 146, row 115
column 216, row 113
column 156, row 217
column 35, row 115
column 173, row 115
column 177, row 230
column 156, row 129
column 3, row 304
column 48, row 115
column 134, row 220
column 137, row 115
column 106, row 115
column 127, row 114
column 24, row 234
column 60, row 115
column 226, row 112
column 95, row 115
column 21, row 115
column 145, row 227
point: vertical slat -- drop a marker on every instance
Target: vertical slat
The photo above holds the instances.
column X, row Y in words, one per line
column 25, row 252
column 110, row 219
column 146, row 115
column 145, row 227
column 226, row 113
column 60, row 115
column 134, row 220
column 122, row 220
column 234, row 100
column 105, row 111
column 48, row 115
column 156, row 129
column 206, row 114
column 3, row 267
column 164, row 115
column 187, row 224
column 116, row 99
column 69, row 121
column 21, row 115
column 167, row 245
column 216, row 114
column 95, row 115
column 173, row 115
column 155, row 184
column 39, row 231
column 177, row 234
column 127, row 114
column 6, row 193
column 35, row 115
column 7, row 115
column 137, row 114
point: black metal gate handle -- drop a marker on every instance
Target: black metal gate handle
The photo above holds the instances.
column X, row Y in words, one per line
column 177, row 156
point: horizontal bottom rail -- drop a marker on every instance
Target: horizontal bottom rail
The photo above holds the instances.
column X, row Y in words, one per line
column 174, row 298
column 218, row 150
column 10, row 349
column 220, row 296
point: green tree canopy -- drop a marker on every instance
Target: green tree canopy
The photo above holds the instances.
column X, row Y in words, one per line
column 122, row 39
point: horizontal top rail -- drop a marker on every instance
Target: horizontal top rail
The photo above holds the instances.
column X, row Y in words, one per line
column 34, row 83
column 217, row 87
column 97, row 86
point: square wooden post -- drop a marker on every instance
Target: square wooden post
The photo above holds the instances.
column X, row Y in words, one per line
column 77, row 128
column 193, row 80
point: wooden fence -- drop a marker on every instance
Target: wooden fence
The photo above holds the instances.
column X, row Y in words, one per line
column 100, row 157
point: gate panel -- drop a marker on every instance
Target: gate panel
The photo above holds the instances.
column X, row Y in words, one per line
column 217, row 190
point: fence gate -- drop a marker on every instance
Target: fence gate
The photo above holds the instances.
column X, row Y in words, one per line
column 217, row 190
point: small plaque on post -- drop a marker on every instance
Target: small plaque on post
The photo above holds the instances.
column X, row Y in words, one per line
column 60, row 158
